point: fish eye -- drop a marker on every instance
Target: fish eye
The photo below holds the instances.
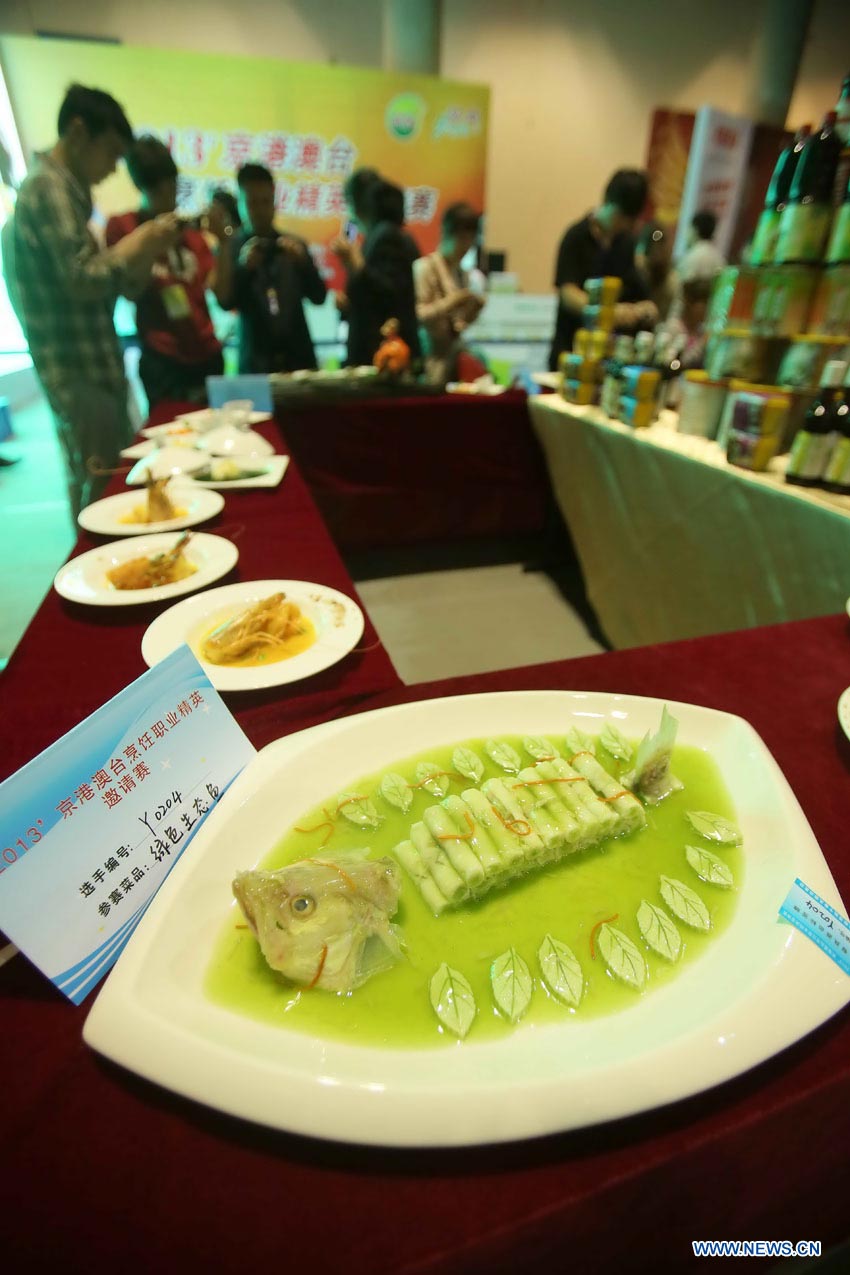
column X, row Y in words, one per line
column 303, row 905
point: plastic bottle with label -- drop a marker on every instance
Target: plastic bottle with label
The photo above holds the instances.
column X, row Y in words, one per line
column 842, row 128
column 804, row 225
column 764, row 240
column 837, row 474
column 815, row 442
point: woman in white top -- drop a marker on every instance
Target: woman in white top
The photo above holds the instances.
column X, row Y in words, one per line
column 445, row 303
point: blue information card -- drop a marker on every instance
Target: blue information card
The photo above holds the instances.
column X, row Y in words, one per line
column 92, row 826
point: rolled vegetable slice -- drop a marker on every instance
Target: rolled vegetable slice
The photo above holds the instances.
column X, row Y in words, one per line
column 540, row 819
column 409, row 858
column 480, row 840
column 452, row 1000
column 455, row 844
column 512, row 984
column 659, row 931
column 545, row 797
column 507, row 843
column 625, row 804
column 450, row 884
column 605, row 819
column 504, row 800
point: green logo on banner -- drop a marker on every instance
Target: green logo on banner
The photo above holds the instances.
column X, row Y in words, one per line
column 405, row 115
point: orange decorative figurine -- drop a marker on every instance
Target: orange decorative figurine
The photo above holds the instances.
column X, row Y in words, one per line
column 393, row 354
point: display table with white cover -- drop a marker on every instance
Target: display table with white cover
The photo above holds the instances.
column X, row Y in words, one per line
column 675, row 543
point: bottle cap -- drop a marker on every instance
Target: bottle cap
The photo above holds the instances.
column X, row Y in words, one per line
column 828, row 120
column 833, row 373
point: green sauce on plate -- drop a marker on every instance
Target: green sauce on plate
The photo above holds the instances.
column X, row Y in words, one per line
column 566, row 900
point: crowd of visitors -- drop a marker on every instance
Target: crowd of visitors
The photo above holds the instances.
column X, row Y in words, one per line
column 64, row 282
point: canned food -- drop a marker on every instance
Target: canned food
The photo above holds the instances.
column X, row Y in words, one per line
column 636, row 412
column 830, row 312
column 603, row 292
column 702, row 404
column 599, row 316
column 640, row 383
column 579, row 392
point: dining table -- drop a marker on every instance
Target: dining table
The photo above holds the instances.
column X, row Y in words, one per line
column 105, row 1168
column 75, row 657
column 676, row 542
column 404, row 471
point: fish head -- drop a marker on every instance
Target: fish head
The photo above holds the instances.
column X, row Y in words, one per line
column 315, row 919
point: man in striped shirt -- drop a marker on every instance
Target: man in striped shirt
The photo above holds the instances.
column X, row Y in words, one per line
column 67, row 286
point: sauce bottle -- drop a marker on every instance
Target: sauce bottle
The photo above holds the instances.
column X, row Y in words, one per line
column 837, row 475
column 838, row 248
column 804, row 225
column 815, row 442
column 767, row 230
column 842, row 128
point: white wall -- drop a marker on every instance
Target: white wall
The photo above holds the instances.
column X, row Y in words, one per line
column 574, row 82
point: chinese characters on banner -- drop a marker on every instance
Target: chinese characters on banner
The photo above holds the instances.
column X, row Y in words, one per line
column 93, row 825
column 309, row 171
column 714, row 180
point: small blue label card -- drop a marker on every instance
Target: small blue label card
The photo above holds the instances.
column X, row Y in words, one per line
column 92, row 826
column 814, row 917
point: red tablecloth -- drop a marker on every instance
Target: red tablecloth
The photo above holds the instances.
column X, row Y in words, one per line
column 104, row 1168
column 392, row 472
column 73, row 658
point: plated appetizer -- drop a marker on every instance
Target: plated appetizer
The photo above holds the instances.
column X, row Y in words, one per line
column 272, row 629
column 493, row 880
column 153, row 570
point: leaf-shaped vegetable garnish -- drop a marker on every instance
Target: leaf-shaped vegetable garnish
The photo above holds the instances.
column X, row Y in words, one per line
column 539, row 748
column 452, row 1000
column 578, row 742
column 659, row 931
column 512, row 984
column 396, row 791
column 714, row 827
column 561, row 971
column 467, row 763
column 709, row 868
column 433, row 778
column 615, row 743
column 621, row 956
column 685, row 903
column 503, row 755
column 358, row 810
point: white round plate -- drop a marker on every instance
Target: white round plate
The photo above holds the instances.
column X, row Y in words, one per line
column 228, row 441
column 762, row 986
column 165, row 462
column 83, row 579
column 178, row 432
column 844, row 712
column 106, row 517
column 338, row 622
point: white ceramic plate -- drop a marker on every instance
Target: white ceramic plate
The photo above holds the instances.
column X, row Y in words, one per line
column 226, row 440
column 173, row 461
column 337, row 619
column 475, row 391
column 273, row 468
column 202, row 418
column 137, row 450
column 755, row 991
column 844, row 712
column 105, row 516
column 178, row 431
column 83, row 579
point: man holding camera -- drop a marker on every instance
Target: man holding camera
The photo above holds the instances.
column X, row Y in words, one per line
column 66, row 285
column 179, row 346
column 274, row 274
